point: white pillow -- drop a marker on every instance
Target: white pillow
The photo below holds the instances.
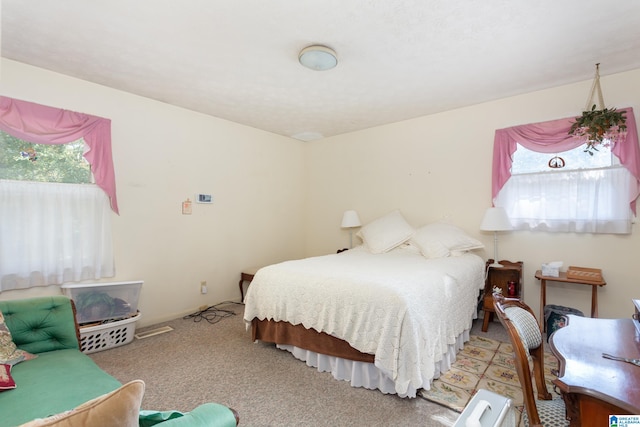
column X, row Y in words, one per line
column 440, row 239
column 431, row 248
column 385, row 233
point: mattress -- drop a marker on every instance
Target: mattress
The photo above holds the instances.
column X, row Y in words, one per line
column 406, row 310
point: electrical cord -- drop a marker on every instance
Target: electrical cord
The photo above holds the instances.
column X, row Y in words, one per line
column 212, row 314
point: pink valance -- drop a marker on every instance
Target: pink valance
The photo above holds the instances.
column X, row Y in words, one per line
column 552, row 137
column 47, row 125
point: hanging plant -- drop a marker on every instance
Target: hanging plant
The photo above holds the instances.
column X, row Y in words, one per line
column 600, row 127
column 604, row 126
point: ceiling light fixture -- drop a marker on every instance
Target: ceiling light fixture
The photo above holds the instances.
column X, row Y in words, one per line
column 318, row 58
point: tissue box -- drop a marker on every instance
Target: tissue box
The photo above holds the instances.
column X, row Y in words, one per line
column 550, row 270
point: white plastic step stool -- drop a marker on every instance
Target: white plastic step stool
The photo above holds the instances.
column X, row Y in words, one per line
column 487, row 409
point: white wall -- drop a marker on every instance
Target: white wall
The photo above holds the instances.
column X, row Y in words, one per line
column 164, row 155
column 276, row 198
column 439, row 166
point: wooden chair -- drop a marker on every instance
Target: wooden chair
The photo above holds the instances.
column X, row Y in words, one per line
column 526, row 339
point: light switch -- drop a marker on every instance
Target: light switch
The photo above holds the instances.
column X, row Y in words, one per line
column 204, row 198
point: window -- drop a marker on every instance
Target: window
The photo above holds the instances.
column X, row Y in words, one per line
column 529, row 161
column 545, row 180
column 25, row 161
column 55, row 224
column 567, row 191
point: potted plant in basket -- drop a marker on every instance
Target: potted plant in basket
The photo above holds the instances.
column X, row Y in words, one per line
column 600, row 127
column 605, row 126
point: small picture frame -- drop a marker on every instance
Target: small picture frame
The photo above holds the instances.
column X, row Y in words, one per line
column 186, row 207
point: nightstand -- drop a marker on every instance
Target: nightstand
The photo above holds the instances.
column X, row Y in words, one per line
column 500, row 277
column 246, row 276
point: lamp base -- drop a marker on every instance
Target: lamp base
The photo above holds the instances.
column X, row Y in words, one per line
column 496, row 265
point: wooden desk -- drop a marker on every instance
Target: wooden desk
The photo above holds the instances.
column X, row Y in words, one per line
column 594, row 387
column 564, row 279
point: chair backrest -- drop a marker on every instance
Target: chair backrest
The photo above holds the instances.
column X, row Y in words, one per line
column 41, row 324
column 526, row 339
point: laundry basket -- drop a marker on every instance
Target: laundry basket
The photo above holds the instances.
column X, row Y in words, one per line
column 108, row 335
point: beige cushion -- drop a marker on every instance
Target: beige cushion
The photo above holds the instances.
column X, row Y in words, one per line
column 526, row 325
column 120, row 408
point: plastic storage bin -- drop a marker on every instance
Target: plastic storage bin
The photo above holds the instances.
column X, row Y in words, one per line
column 98, row 302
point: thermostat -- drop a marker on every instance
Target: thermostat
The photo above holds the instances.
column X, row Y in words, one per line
column 204, row 198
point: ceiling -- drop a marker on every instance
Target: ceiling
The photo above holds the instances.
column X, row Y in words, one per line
column 397, row 59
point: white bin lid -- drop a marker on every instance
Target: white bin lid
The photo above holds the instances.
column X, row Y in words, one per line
column 94, row 285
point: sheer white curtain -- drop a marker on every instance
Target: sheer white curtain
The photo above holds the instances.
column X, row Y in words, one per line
column 583, row 201
column 53, row 233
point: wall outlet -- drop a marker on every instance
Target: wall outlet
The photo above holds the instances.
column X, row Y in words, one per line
column 203, row 287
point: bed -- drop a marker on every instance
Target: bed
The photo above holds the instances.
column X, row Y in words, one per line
column 386, row 316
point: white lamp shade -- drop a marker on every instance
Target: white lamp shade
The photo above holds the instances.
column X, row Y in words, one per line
column 495, row 219
column 351, row 219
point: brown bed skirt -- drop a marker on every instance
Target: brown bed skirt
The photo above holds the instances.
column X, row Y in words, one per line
column 308, row 339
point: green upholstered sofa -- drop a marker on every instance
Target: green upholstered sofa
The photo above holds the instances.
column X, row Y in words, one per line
column 61, row 377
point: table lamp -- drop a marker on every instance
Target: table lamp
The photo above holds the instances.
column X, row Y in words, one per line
column 495, row 219
column 350, row 220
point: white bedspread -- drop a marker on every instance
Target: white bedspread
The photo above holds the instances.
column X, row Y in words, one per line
column 400, row 306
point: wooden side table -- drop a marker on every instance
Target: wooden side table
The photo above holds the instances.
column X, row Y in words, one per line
column 499, row 277
column 562, row 278
column 246, row 276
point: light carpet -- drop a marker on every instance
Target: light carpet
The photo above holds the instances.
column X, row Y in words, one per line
column 483, row 363
column 201, row 362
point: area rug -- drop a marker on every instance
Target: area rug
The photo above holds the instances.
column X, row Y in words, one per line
column 483, row 363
